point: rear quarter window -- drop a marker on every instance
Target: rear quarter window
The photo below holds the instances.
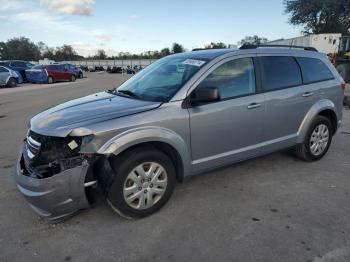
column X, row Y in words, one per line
column 280, row 72
column 314, row 70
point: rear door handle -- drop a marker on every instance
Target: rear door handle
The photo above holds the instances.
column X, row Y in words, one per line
column 253, row 105
column 306, row 94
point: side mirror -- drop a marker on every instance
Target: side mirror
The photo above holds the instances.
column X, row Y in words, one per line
column 205, row 95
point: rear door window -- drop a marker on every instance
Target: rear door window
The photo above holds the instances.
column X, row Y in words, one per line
column 314, row 70
column 279, row 72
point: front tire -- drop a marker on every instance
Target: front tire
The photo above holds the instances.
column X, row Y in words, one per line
column 12, row 82
column 144, row 181
column 317, row 140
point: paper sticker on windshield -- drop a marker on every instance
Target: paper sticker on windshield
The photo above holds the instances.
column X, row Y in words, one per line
column 193, row 62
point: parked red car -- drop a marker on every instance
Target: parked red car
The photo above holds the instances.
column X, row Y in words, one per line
column 50, row 73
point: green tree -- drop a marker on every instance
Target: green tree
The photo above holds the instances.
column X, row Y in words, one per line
column 165, row 51
column 218, row 45
column 177, row 48
column 19, row 48
column 320, row 16
column 252, row 40
column 66, row 53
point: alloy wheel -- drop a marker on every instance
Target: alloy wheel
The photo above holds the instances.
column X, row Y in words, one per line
column 145, row 185
column 319, row 139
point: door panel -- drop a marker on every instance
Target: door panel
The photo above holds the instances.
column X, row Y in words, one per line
column 225, row 132
column 286, row 106
column 229, row 130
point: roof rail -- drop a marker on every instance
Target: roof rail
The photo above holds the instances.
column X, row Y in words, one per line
column 307, row 48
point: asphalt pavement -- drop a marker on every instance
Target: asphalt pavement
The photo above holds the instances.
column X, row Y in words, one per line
column 273, row 208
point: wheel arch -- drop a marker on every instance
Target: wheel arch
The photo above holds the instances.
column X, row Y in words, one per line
column 324, row 108
column 162, row 139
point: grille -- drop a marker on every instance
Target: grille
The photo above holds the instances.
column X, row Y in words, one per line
column 33, row 147
column 46, row 155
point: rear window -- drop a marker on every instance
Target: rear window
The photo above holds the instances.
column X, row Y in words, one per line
column 38, row 67
column 314, row 70
column 280, row 72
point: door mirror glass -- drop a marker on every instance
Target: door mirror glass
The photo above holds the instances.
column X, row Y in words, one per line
column 205, row 95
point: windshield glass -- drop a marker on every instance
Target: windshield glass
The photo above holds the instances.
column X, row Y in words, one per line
column 162, row 79
column 38, row 67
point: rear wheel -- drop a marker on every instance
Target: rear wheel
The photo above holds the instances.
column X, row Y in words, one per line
column 12, row 82
column 50, row 80
column 72, row 78
column 317, row 140
column 144, row 181
column 81, row 75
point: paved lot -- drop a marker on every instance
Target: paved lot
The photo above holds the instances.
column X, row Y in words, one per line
column 275, row 208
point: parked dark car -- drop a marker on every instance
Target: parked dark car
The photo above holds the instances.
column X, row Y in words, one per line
column 117, row 70
column 50, row 74
column 84, row 68
column 18, row 66
column 78, row 71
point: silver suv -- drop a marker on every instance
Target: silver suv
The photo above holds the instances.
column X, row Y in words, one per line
column 183, row 115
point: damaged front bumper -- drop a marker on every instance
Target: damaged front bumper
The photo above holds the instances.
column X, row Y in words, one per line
column 57, row 196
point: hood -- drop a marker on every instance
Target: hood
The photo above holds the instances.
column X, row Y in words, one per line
column 62, row 119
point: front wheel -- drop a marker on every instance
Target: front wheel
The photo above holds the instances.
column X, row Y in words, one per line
column 317, row 140
column 144, row 181
column 12, row 82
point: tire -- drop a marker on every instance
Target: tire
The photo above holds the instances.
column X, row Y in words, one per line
column 50, row 80
column 72, row 78
column 304, row 151
column 12, row 82
column 119, row 190
column 81, row 75
column 344, row 71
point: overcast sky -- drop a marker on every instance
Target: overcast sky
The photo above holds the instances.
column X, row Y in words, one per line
column 141, row 25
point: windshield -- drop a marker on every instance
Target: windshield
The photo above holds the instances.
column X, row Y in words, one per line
column 162, row 79
column 38, row 67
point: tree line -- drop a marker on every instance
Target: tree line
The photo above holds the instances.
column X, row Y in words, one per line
column 316, row 16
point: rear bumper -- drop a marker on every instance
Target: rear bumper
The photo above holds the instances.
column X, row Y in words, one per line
column 56, row 197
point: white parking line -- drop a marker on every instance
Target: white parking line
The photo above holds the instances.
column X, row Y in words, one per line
column 30, row 87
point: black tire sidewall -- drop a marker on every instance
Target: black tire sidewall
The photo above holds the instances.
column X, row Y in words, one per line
column 122, row 167
column 317, row 121
column 12, row 82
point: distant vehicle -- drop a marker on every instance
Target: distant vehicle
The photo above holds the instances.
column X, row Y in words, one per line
column 78, row 71
column 9, row 78
column 18, row 66
column 50, row 74
column 130, row 70
column 84, row 68
column 117, row 70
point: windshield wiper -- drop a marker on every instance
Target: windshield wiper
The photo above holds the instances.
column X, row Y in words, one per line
column 128, row 93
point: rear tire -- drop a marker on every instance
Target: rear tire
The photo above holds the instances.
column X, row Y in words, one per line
column 12, row 82
column 344, row 71
column 50, row 80
column 81, row 75
column 144, row 181
column 72, row 78
column 317, row 140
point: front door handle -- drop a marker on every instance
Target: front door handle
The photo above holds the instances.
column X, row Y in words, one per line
column 253, row 105
column 307, row 94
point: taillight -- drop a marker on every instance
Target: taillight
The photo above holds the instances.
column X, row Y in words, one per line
column 343, row 86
